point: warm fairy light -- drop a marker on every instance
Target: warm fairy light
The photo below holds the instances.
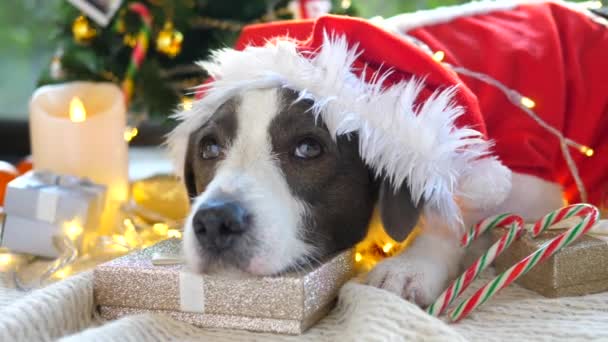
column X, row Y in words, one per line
column 119, row 239
column 187, row 103
column 346, row 4
column 128, row 223
column 62, row 273
column 73, row 230
column 438, row 56
column 358, row 257
column 527, row 102
column 387, row 247
column 160, row 228
column 130, row 133
column 77, row 111
column 587, row 151
column 5, row 259
column 174, row 233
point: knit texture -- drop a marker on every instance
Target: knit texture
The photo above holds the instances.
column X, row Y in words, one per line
column 66, row 309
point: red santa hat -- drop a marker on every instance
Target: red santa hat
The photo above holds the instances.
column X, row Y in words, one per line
column 417, row 122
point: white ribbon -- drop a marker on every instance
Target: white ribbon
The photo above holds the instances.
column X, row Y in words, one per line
column 162, row 259
column 46, row 205
column 48, row 197
column 191, row 292
column 191, row 285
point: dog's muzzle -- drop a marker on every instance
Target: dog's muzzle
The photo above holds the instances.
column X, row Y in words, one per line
column 219, row 224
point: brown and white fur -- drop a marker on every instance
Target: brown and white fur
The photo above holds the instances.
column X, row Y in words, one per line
column 273, row 211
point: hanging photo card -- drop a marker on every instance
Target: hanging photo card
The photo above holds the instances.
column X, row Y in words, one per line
column 101, row 11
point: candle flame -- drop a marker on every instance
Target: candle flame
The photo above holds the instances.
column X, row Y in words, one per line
column 77, row 111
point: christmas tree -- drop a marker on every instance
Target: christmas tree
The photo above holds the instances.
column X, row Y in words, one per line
column 177, row 34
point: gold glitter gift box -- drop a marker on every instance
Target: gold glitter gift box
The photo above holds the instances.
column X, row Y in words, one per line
column 578, row 269
column 288, row 304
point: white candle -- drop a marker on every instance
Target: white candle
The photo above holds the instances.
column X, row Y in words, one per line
column 85, row 139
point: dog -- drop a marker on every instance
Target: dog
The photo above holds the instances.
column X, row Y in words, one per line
column 279, row 181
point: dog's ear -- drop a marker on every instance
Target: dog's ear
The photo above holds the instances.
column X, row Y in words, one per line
column 398, row 213
column 189, row 174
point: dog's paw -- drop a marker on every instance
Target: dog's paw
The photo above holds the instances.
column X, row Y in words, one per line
column 417, row 279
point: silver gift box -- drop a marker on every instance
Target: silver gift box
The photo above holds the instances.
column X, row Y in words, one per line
column 38, row 205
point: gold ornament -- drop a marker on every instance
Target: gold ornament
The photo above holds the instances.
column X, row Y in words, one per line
column 169, row 40
column 129, row 40
column 164, row 195
column 82, row 30
column 120, row 26
column 378, row 245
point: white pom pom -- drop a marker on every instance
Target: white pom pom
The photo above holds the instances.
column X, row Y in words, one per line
column 486, row 185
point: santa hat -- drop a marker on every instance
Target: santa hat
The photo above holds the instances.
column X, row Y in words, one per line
column 417, row 123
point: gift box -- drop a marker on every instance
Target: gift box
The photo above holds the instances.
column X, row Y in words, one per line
column 287, row 304
column 577, row 269
column 39, row 205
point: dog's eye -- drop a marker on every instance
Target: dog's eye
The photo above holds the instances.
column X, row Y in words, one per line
column 308, row 148
column 210, row 149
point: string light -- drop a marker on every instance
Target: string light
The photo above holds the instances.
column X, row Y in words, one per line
column 63, row 273
column 160, row 228
column 187, row 103
column 345, row 4
column 130, row 133
column 438, row 56
column 174, row 233
column 120, row 240
column 358, row 257
column 128, row 223
column 387, row 247
column 587, row 151
column 73, row 229
column 527, row 102
column 5, row 259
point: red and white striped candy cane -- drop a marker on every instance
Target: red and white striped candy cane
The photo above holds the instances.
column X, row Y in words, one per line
column 589, row 215
column 515, row 224
column 139, row 51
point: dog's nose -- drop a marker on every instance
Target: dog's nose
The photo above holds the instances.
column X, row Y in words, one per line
column 218, row 224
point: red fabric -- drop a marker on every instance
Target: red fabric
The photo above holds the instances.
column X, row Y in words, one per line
column 555, row 56
column 558, row 58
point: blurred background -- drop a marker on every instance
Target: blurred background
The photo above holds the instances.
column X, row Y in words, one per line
column 28, row 29
column 32, row 32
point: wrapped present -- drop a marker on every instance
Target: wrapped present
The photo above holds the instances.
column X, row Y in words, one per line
column 39, row 205
column 287, row 304
column 575, row 270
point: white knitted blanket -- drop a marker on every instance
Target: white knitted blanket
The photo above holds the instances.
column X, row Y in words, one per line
column 66, row 310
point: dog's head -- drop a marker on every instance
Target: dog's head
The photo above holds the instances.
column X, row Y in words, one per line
column 273, row 190
column 282, row 177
